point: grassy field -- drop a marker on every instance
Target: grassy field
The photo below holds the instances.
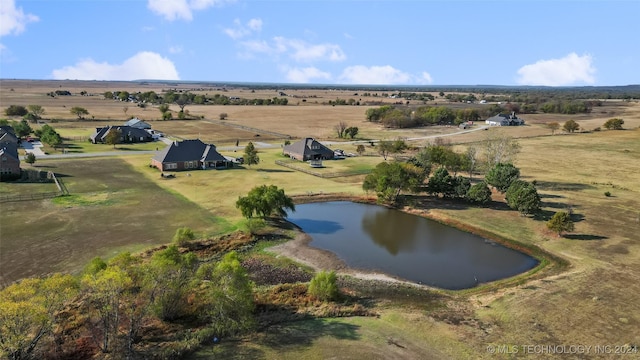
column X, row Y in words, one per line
column 121, row 203
column 112, row 208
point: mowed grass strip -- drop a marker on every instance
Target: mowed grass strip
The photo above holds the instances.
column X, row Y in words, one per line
column 112, row 208
column 218, row 190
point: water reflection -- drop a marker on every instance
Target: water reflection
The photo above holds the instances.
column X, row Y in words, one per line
column 406, row 246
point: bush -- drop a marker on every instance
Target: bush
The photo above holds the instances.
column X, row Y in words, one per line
column 223, row 116
column 183, row 235
column 614, row 124
column 323, row 286
column 560, row 222
column 254, row 225
column 479, row 194
column 16, row 110
column 607, row 193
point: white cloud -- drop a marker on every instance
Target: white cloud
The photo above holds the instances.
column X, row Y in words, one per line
column 305, row 75
column 255, row 24
column 298, row 50
column 568, row 70
column 304, row 52
column 182, row 9
column 381, row 75
column 240, row 31
column 175, row 49
column 426, row 78
column 13, row 20
column 143, row 65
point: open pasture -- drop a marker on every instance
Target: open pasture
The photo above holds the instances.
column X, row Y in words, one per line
column 111, row 208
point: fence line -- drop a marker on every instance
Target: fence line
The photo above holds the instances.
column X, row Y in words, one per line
column 28, row 197
column 62, row 190
column 322, row 175
column 249, row 128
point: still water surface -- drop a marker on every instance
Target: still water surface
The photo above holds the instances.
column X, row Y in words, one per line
column 409, row 247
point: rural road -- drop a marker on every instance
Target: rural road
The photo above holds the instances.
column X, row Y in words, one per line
column 259, row 145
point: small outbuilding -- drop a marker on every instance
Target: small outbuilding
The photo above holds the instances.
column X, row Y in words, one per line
column 308, row 149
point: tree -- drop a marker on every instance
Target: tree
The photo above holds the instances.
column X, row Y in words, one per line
column 340, row 128
column 265, row 201
column 441, row 183
column 29, row 311
column 22, row 128
column 323, row 286
column 125, row 109
column 49, row 136
column 169, row 275
column 553, row 126
column 523, row 196
column 227, row 299
column 183, row 235
column 223, row 116
column 108, row 95
column 36, row 110
column 614, row 124
column 79, row 111
column 164, row 108
column 360, row 149
column 389, row 179
column 479, row 193
column 182, row 101
column 500, row 148
column 385, row 147
column 16, row 110
column 351, row 132
column 560, row 222
column 30, row 158
column 501, row 176
column 251, row 154
column 471, row 159
column 105, row 292
column 570, row 126
column 113, row 137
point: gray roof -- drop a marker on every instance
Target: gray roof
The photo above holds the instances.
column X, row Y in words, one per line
column 306, row 147
column 101, row 133
column 10, row 149
column 135, row 122
column 189, row 150
column 7, row 134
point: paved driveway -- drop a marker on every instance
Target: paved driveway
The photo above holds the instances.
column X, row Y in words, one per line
column 33, row 147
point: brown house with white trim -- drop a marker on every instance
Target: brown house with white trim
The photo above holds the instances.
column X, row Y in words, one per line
column 308, row 149
column 190, row 155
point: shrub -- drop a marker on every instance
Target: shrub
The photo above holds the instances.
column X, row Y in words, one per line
column 16, row 110
column 560, row 222
column 614, row 124
column 323, row 286
column 479, row 193
column 607, row 193
column 183, row 235
column 223, row 116
column 255, row 225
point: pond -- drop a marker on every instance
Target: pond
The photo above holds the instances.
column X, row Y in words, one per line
column 406, row 246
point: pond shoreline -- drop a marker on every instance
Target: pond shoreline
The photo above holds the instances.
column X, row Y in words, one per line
column 299, row 250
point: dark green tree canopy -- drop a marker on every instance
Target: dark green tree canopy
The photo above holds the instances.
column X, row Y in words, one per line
column 389, row 179
column 502, row 175
column 523, row 196
column 479, row 193
column 560, row 222
column 251, row 154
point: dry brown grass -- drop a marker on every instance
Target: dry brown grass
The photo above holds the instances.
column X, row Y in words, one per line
column 595, row 302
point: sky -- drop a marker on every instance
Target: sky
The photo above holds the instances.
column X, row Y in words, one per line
column 363, row 42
